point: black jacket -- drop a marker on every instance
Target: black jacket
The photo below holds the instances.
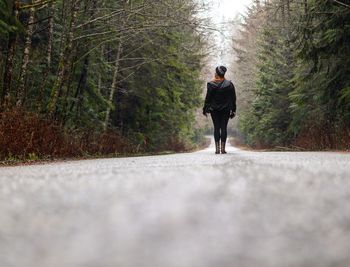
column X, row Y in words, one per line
column 220, row 96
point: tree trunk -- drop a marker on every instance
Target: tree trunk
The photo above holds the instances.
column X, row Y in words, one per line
column 26, row 55
column 305, row 7
column 82, row 84
column 67, row 86
column 47, row 69
column 114, row 82
column 8, row 73
column 99, row 85
column 64, row 62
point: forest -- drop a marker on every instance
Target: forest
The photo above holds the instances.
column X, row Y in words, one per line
column 105, row 77
column 292, row 69
column 99, row 77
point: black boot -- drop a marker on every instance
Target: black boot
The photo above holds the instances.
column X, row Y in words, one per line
column 217, row 146
column 223, row 151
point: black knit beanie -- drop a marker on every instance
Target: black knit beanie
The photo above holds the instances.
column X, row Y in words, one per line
column 220, row 71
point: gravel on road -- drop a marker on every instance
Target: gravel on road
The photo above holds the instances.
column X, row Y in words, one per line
column 242, row 209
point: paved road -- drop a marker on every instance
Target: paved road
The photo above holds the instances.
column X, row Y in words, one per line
column 243, row 209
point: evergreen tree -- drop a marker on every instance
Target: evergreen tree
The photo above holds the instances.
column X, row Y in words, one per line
column 301, row 95
column 100, row 66
column 320, row 98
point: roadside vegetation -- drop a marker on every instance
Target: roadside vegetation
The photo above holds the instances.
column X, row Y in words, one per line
column 99, row 77
column 292, row 74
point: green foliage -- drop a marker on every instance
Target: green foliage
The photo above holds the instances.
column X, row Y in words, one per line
column 167, row 92
column 33, row 157
column 157, row 84
column 269, row 113
column 8, row 22
column 323, row 77
column 303, row 75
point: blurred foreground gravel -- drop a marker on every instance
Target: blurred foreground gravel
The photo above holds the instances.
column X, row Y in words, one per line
column 243, row 209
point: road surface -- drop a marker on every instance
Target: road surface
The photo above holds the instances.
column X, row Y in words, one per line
column 243, row 209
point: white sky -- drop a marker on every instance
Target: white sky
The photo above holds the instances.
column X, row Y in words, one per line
column 222, row 12
column 228, row 9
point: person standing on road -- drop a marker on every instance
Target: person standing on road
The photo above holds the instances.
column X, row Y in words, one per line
column 220, row 102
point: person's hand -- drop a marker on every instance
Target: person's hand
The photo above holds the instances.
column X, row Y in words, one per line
column 232, row 114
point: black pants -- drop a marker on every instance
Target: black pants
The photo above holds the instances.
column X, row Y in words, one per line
column 220, row 121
